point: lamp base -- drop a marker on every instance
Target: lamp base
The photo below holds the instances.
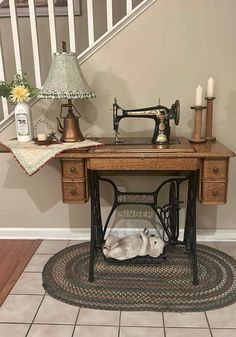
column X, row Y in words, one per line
column 71, row 140
column 66, row 138
column 70, row 131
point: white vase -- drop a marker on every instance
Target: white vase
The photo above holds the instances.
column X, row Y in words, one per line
column 23, row 122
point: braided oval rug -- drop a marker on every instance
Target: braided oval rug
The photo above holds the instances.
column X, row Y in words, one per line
column 166, row 286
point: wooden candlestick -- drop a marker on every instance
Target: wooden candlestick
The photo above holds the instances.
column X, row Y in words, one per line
column 209, row 118
column 197, row 138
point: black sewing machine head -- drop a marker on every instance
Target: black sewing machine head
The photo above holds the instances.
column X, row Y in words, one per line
column 161, row 115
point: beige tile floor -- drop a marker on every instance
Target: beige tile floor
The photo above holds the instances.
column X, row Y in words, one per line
column 29, row 312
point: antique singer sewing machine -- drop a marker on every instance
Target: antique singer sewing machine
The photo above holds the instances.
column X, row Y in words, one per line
column 161, row 115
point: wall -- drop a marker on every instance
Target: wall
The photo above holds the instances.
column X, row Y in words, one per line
column 166, row 53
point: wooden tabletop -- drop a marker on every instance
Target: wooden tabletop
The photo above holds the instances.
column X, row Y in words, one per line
column 182, row 149
column 139, row 147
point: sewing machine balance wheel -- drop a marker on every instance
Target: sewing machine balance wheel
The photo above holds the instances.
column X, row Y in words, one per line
column 177, row 111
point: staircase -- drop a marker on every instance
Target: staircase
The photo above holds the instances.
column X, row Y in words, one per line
column 86, row 25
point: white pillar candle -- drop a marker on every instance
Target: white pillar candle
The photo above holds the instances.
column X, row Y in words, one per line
column 199, row 92
column 210, row 87
column 42, row 136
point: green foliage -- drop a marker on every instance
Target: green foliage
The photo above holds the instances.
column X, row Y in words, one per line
column 18, row 80
column 4, row 89
column 34, row 92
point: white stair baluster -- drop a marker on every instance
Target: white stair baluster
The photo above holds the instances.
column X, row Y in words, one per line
column 109, row 15
column 71, row 22
column 15, row 34
column 129, row 6
column 90, row 22
column 34, row 37
column 52, row 26
column 2, row 78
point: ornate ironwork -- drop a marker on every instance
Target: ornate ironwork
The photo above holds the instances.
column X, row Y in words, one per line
column 168, row 214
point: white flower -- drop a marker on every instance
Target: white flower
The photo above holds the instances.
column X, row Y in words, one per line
column 19, row 94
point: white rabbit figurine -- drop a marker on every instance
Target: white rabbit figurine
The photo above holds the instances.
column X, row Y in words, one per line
column 134, row 245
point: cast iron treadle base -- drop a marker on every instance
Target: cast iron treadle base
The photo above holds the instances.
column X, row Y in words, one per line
column 168, row 216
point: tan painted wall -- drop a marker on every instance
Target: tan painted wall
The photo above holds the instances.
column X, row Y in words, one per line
column 166, row 52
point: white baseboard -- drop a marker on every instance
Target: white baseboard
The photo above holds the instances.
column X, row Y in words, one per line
column 84, row 233
column 45, row 233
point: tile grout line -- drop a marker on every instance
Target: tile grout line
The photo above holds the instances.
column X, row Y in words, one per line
column 76, row 320
column 35, row 315
column 104, row 325
column 125, row 326
column 163, row 323
column 38, row 323
column 31, row 272
column 225, row 328
column 208, row 323
column 28, row 294
column 119, row 324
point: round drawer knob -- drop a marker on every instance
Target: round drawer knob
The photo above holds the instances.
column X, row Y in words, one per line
column 215, row 193
column 73, row 192
column 216, row 169
column 73, row 169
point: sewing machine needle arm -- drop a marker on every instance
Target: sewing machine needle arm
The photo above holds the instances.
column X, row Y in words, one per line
column 155, row 133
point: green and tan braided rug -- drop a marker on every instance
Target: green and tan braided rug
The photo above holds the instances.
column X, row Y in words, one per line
column 157, row 287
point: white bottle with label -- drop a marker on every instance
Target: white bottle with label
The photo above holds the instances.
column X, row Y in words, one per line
column 23, row 122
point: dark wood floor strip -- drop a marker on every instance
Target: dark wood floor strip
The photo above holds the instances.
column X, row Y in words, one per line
column 14, row 256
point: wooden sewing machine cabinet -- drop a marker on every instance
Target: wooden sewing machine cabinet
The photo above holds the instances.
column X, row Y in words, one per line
column 204, row 164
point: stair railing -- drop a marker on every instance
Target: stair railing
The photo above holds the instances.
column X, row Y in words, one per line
column 93, row 45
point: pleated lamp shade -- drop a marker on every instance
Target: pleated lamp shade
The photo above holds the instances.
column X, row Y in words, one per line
column 65, row 79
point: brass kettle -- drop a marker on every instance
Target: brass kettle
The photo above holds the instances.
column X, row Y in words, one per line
column 71, row 130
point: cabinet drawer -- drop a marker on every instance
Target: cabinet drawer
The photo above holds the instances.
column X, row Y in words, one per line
column 73, row 168
column 148, row 164
column 214, row 169
column 213, row 192
column 74, row 192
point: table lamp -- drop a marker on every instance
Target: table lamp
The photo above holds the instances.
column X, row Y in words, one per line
column 66, row 81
